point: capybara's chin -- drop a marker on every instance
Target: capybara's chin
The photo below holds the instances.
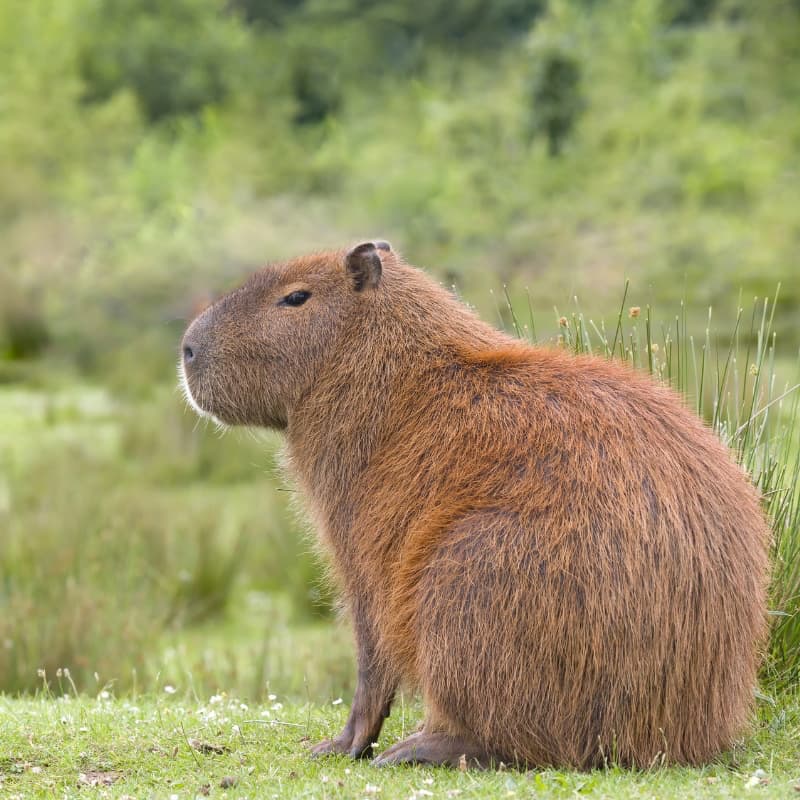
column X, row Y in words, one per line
column 562, row 558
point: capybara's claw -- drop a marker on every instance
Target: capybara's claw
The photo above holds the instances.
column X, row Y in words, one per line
column 342, row 745
column 435, row 748
column 330, row 747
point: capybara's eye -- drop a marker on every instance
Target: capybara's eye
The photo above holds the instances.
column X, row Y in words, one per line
column 295, row 299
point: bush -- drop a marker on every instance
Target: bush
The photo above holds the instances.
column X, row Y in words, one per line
column 177, row 57
column 555, row 96
column 314, row 85
column 25, row 332
column 453, row 23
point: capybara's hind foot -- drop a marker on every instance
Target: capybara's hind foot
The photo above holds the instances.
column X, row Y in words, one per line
column 435, row 748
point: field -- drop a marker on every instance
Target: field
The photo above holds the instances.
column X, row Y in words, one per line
column 177, row 639
column 174, row 744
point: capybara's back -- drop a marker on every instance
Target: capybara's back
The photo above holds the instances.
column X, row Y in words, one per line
column 563, row 559
column 602, row 592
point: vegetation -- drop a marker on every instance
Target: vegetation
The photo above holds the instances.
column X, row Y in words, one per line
column 151, row 154
column 738, row 391
column 128, row 521
column 527, row 151
column 173, row 744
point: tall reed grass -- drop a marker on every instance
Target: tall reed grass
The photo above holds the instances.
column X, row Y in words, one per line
column 747, row 390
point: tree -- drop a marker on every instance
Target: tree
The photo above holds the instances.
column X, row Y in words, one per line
column 176, row 57
column 555, row 96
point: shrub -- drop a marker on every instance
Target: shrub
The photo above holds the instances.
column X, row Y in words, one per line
column 25, row 332
column 176, row 57
column 555, row 96
column 314, row 85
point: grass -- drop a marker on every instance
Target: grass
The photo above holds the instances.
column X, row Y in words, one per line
column 158, row 533
column 256, row 647
column 173, row 744
column 122, row 524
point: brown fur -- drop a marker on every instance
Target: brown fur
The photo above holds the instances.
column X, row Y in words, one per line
column 563, row 559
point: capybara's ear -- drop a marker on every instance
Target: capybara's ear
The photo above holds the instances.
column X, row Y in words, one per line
column 364, row 264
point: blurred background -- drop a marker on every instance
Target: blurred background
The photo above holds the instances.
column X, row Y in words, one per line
column 153, row 153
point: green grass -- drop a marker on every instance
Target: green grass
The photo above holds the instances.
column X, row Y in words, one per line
column 157, row 533
column 124, row 522
column 179, row 738
column 164, row 745
column 256, row 647
column 173, row 559
column 746, row 389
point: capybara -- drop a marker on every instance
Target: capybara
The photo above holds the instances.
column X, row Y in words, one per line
column 560, row 556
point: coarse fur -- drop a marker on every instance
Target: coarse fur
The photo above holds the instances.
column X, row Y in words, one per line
column 560, row 556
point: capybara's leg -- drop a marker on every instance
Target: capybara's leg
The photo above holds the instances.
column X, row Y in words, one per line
column 479, row 651
column 435, row 748
column 375, row 690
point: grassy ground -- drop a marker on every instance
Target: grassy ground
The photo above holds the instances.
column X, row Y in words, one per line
column 174, row 560
column 174, row 745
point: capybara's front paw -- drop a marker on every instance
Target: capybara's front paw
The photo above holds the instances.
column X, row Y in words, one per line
column 343, row 744
column 331, row 747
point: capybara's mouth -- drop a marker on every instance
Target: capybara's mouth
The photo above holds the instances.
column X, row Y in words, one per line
column 192, row 364
column 188, row 394
column 199, row 400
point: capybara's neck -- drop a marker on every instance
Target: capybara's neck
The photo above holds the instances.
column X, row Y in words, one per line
column 404, row 332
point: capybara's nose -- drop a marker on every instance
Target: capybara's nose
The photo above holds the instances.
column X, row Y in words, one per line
column 189, row 351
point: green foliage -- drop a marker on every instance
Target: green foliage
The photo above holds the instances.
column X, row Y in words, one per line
column 177, row 57
column 24, row 331
column 689, row 12
column 462, row 24
column 402, row 25
column 555, row 92
column 267, row 12
column 678, row 174
column 314, row 85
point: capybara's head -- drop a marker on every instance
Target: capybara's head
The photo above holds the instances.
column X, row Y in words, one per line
column 248, row 358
